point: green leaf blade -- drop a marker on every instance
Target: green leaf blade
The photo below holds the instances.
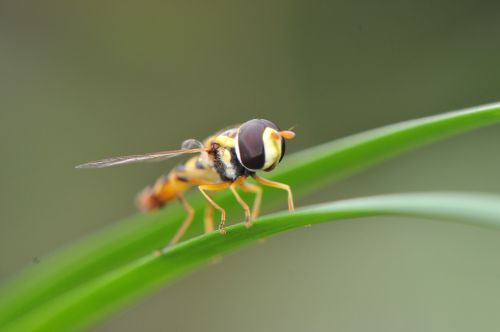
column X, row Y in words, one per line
column 85, row 305
column 136, row 237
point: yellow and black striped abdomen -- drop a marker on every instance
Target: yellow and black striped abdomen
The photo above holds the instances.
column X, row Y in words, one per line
column 194, row 171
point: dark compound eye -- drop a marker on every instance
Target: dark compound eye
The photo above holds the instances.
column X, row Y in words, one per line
column 251, row 145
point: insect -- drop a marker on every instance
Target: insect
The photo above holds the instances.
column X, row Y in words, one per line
column 223, row 161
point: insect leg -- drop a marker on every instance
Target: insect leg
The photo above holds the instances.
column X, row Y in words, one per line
column 186, row 222
column 258, row 197
column 242, row 203
column 278, row 185
column 216, row 186
column 209, row 220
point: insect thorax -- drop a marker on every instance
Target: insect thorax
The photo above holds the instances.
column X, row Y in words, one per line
column 227, row 165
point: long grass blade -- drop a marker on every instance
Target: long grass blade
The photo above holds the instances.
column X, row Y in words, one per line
column 126, row 241
column 86, row 304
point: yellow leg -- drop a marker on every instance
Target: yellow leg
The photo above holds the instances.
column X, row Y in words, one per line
column 258, row 197
column 186, row 222
column 242, row 203
column 278, row 185
column 217, row 186
column 209, row 220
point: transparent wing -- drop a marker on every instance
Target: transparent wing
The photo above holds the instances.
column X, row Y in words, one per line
column 154, row 156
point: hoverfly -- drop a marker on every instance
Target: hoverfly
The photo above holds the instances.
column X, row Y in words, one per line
column 225, row 160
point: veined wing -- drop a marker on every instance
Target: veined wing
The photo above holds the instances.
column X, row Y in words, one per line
column 153, row 156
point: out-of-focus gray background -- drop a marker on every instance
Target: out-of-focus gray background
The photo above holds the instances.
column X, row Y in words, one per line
column 86, row 80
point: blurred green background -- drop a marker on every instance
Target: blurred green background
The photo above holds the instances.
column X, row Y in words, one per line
column 85, row 80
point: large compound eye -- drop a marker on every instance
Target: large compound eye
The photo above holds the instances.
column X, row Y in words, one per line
column 256, row 147
column 250, row 146
column 251, row 151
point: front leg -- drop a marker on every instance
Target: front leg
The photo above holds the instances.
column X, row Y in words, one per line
column 278, row 185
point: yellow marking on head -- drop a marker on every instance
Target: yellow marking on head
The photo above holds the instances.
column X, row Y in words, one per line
column 272, row 147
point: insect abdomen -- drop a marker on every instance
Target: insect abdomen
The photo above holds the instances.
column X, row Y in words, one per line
column 155, row 197
column 147, row 200
column 165, row 190
column 181, row 178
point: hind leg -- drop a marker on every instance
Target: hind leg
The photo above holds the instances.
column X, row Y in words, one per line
column 185, row 224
